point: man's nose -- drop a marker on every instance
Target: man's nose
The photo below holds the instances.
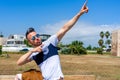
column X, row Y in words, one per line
column 37, row 38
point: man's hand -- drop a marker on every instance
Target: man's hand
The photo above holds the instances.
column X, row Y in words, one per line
column 37, row 49
column 84, row 8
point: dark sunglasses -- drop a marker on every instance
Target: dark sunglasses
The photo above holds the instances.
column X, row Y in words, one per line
column 36, row 36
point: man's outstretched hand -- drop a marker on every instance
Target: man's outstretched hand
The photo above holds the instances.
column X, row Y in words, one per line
column 84, row 8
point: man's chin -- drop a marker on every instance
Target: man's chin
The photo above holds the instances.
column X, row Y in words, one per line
column 39, row 43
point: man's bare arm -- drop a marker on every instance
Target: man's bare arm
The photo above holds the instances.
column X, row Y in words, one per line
column 71, row 22
column 25, row 58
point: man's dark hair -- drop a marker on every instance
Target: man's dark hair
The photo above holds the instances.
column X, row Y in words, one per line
column 29, row 30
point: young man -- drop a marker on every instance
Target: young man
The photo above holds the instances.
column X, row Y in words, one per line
column 45, row 53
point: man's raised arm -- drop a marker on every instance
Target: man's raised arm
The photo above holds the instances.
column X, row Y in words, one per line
column 71, row 22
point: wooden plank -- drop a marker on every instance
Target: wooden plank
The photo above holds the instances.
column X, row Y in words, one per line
column 67, row 77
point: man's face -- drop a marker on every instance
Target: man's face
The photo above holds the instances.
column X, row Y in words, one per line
column 34, row 39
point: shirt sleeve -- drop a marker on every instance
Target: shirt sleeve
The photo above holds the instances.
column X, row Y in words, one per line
column 33, row 54
column 53, row 40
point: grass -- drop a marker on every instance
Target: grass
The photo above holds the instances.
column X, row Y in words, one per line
column 104, row 67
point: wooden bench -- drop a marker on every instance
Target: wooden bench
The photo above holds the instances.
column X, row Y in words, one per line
column 80, row 77
column 67, row 77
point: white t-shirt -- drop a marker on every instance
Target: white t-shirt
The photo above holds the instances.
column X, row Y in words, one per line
column 48, row 60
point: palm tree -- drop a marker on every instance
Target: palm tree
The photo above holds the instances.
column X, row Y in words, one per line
column 108, row 41
column 76, row 47
column 107, row 34
column 100, row 50
column 100, row 42
column 102, row 34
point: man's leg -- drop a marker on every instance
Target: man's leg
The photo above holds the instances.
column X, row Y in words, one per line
column 18, row 77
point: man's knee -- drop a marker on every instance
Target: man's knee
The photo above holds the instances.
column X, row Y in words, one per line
column 18, row 77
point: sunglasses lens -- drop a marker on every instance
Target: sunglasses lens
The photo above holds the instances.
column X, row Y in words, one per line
column 37, row 35
column 33, row 38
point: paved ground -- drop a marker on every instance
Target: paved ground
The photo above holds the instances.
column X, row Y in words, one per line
column 67, row 77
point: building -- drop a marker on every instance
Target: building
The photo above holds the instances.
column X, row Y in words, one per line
column 14, row 43
column 115, row 48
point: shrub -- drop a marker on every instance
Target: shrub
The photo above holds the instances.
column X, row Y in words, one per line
column 0, row 49
column 65, row 51
column 100, row 51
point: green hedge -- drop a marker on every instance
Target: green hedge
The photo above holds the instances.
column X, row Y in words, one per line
column 14, row 52
column 0, row 49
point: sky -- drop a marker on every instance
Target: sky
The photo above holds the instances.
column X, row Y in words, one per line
column 48, row 16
